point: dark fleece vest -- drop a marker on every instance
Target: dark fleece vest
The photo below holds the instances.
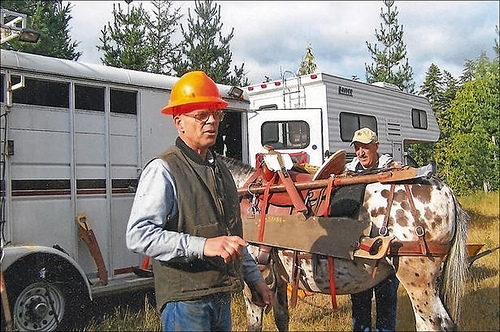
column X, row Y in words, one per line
column 208, row 207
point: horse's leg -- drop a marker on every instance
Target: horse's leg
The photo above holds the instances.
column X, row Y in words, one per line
column 419, row 277
column 254, row 312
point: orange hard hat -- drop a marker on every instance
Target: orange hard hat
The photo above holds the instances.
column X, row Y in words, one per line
column 194, row 90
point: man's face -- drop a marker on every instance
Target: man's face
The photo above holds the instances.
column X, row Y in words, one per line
column 199, row 128
column 367, row 153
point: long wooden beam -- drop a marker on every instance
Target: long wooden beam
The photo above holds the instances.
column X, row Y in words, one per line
column 393, row 175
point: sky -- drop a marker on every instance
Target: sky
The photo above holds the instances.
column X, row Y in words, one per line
column 270, row 37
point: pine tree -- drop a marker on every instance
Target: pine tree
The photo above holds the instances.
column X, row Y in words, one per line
column 307, row 65
column 51, row 20
column 125, row 43
column 164, row 52
column 450, row 88
column 432, row 88
column 205, row 48
column 390, row 63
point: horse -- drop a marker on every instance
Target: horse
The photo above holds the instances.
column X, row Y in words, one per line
column 427, row 229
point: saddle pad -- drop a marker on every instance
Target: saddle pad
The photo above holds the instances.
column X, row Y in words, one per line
column 346, row 200
column 273, row 163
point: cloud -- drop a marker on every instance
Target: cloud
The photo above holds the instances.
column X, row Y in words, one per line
column 271, row 36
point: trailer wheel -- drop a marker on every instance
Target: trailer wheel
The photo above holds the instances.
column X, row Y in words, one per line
column 40, row 306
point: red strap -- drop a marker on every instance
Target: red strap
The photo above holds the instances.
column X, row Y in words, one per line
column 262, row 223
column 329, row 189
column 297, row 201
column 333, row 292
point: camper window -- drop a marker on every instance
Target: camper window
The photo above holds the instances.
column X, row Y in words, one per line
column 350, row 122
column 285, row 134
column 419, row 118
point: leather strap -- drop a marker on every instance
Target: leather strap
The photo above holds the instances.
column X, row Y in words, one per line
column 88, row 236
column 264, row 255
column 295, row 279
column 412, row 248
column 419, row 229
column 329, row 189
column 262, row 224
column 333, row 292
column 297, row 201
column 384, row 230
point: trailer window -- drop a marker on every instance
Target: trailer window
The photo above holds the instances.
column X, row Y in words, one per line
column 123, row 101
column 44, row 93
column 419, row 118
column 285, row 134
column 350, row 122
column 89, row 98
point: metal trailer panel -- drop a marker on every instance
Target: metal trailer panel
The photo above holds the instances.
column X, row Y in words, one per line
column 87, row 151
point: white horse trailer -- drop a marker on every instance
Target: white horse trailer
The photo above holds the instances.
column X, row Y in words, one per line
column 74, row 138
column 319, row 114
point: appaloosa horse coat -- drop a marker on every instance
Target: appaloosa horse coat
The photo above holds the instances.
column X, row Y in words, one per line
column 428, row 253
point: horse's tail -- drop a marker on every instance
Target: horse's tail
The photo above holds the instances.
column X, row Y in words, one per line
column 456, row 266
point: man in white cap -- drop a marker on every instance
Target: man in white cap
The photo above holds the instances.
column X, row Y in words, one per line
column 366, row 146
column 367, row 157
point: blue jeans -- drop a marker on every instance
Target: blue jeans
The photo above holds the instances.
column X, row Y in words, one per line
column 386, row 300
column 210, row 313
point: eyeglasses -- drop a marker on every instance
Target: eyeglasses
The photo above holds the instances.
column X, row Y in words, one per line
column 203, row 116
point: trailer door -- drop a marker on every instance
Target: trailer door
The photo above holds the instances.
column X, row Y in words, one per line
column 287, row 131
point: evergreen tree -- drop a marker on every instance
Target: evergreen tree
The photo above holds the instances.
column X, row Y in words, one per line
column 468, row 71
column 390, row 63
column 51, row 20
column 125, row 43
column 467, row 155
column 450, row 88
column 432, row 88
column 307, row 65
column 205, row 48
column 164, row 53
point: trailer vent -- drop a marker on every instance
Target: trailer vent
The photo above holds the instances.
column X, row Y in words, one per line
column 393, row 130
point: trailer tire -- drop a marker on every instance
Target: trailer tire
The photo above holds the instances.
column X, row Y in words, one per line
column 40, row 306
column 49, row 302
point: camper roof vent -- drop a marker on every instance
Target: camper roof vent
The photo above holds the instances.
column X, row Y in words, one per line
column 268, row 107
column 387, row 85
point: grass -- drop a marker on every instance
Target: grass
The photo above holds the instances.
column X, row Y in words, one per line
column 480, row 309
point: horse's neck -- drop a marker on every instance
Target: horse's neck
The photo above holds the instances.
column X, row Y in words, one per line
column 240, row 171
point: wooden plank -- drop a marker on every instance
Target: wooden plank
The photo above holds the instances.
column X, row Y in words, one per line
column 318, row 235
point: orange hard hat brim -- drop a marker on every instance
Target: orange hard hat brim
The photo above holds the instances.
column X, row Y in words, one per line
column 208, row 103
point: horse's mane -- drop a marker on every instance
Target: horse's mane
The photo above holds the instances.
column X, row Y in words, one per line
column 240, row 171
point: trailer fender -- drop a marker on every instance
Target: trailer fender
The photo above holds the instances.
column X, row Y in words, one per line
column 45, row 287
column 12, row 254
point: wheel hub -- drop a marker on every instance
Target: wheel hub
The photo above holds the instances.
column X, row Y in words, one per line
column 40, row 306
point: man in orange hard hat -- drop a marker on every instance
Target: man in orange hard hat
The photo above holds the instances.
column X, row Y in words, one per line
column 186, row 216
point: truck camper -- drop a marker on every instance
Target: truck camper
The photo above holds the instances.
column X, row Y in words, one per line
column 74, row 137
column 319, row 113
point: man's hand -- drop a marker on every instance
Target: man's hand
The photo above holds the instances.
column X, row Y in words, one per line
column 228, row 247
column 262, row 296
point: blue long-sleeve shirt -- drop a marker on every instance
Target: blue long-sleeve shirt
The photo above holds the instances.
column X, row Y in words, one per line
column 155, row 199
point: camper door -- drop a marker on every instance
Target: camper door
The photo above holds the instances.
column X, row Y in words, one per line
column 287, row 131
